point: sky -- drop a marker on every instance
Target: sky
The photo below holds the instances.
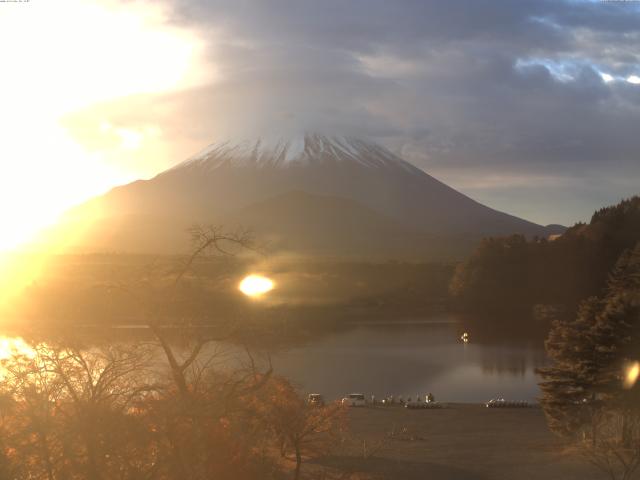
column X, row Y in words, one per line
column 530, row 107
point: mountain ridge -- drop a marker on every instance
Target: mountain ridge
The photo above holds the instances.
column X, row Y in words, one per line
column 228, row 179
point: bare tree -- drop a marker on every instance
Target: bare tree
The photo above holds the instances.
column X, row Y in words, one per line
column 616, row 448
column 72, row 406
column 298, row 427
column 72, row 410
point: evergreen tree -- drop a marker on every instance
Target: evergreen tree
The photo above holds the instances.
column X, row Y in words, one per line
column 569, row 390
column 582, row 391
column 513, row 274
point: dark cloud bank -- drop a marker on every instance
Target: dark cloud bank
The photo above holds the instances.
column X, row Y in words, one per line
column 505, row 100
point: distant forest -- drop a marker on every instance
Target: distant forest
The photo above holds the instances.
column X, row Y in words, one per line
column 547, row 277
column 107, row 290
column 510, row 279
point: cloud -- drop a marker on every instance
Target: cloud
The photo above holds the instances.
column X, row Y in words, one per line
column 526, row 89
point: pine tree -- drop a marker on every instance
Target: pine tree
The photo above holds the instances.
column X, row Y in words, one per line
column 582, row 392
column 569, row 393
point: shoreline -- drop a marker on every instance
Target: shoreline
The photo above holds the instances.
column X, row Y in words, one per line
column 464, row 442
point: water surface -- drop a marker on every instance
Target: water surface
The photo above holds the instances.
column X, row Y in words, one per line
column 399, row 358
column 413, row 358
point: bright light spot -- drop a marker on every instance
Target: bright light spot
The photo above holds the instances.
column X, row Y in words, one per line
column 563, row 71
column 631, row 375
column 12, row 346
column 130, row 139
column 606, row 77
column 256, row 285
column 61, row 57
column 633, row 79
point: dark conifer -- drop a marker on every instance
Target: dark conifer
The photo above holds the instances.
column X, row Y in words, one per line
column 583, row 392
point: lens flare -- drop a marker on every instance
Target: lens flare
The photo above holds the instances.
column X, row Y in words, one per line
column 256, row 285
column 632, row 373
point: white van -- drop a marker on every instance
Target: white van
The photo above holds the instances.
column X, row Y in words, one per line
column 354, row 400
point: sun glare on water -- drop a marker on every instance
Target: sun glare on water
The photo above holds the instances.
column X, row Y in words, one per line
column 12, row 346
column 256, row 285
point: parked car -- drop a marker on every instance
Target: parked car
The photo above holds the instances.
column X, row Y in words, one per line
column 354, row 400
column 315, row 399
column 495, row 403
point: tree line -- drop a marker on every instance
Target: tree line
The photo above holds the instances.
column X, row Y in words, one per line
column 585, row 287
column 513, row 274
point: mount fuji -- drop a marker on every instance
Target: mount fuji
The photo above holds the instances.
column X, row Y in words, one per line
column 314, row 194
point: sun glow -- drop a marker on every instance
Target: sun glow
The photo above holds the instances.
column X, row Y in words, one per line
column 58, row 58
column 256, row 285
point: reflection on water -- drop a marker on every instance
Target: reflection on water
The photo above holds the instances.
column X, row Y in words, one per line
column 400, row 359
column 412, row 359
column 12, row 346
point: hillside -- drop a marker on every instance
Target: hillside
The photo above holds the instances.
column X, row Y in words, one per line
column 313, row 194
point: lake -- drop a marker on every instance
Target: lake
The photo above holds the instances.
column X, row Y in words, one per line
column 414, row 358
column 399, row 358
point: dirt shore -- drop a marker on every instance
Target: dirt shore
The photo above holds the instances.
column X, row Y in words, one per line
column 460, row 442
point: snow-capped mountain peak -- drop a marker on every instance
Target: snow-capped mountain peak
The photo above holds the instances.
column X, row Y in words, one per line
column 301, row 191
column 301, row 150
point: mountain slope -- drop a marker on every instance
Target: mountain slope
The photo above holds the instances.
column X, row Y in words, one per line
column 303, row 223
column 230, row 181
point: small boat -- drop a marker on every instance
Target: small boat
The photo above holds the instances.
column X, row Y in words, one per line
column 502, row 403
